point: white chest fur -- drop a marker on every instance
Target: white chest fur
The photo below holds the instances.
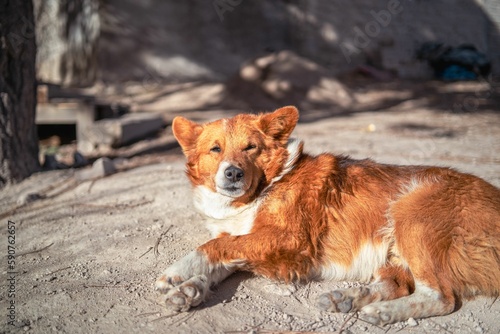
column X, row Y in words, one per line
column 222, row 216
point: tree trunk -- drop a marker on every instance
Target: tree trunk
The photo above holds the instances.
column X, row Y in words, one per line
column 18, row 136
column 67, row 35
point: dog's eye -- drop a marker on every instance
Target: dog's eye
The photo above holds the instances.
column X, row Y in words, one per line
column 215, row 149
column 250, row 147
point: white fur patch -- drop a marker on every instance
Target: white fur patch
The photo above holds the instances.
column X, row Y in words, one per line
column 222, row 216
column 294, row 152
column 414, row 184
column 219, row 176
column 425, row 291
column 411, row 186
column 196, row 263
column 364, row 265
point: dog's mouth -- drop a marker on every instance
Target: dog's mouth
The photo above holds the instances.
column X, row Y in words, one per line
column 231, row 191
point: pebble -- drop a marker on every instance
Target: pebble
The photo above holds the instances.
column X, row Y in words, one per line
column 412, row 322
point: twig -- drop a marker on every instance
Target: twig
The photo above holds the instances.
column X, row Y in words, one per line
column 165, row 317
column 35, row 251
column 341, row 329
column 494, row 301
column 154, row 302
column 157, row 243
column 90, row 186
column 109, row 309
column 379, row 327
column 185, row 318
column 105, row 286
column 296, row 298
column 253, row 328
column 149, row 250
column 268, row 331
column 56, row 271
column 147, row 314
column 308, row 289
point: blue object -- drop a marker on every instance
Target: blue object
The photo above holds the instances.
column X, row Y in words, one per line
column 457, row 73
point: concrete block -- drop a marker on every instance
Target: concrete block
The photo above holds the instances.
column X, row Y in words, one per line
column 123, row 130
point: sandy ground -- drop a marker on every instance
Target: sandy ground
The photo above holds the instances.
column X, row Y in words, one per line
column 87, row 255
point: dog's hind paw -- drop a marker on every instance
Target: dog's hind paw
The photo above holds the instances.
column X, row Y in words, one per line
column 376, row 314
column 343, row 300
column 335, row 301
column 185, row 295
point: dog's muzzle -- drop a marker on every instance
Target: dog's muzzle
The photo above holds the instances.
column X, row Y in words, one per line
column 230, row 180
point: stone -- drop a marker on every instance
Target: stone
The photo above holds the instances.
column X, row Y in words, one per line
column 100, row 168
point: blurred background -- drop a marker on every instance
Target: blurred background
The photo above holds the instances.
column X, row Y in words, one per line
column 111, row 72
column 82, row 42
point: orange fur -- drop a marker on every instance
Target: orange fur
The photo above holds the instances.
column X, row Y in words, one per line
column 425, row 236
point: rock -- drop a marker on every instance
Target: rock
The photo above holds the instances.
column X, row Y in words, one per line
column 28, row 198
column 412, row 322
column 100, row 168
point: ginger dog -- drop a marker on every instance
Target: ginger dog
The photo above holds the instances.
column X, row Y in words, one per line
column 425, row 237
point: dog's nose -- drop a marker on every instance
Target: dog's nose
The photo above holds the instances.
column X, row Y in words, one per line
column 233, row 173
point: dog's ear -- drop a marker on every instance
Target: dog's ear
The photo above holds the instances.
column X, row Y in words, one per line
column 186, row 132
column 280, row 123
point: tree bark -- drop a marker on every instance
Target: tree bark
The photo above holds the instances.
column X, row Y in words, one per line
column 18, row 135
column 67, row 35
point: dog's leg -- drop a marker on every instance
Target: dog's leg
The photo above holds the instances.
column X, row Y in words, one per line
column 424, row 302
column 392, row 282
column 390, row 299
column 187, row 282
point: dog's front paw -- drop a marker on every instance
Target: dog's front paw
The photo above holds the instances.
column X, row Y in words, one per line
column 165, row 282
column 181, row 296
